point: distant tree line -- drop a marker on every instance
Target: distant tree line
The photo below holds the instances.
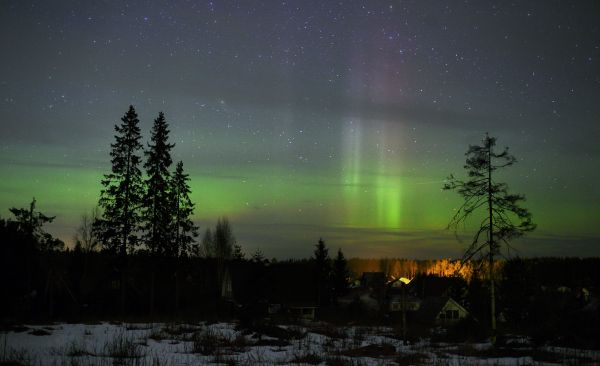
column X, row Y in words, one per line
column 395, row 268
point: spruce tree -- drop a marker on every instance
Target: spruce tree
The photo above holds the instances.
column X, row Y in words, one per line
column 157, row 212
column 122, row 193
column 259, row 258
column 238, row 253
column 322, row 272
column 340, row 274
column 184, row 228
column 322, row 258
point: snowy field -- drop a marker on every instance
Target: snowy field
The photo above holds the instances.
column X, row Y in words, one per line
column 225, row 344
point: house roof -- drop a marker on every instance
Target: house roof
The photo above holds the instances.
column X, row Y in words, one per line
column 431, row 307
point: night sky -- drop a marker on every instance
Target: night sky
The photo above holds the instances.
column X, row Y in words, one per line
column 308, row 119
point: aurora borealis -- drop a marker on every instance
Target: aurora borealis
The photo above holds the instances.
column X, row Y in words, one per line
column 308, row 119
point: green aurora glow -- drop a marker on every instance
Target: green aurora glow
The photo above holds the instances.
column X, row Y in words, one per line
column 321, row 119
column 392, row 202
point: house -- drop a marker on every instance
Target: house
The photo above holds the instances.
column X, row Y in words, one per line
column 411, row 303
column 306, row 311
column 440, row 311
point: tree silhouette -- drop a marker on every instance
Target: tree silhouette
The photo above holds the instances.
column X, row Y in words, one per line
column 259, row 257
column 157, row 211
column 21, row 241
column 238, row 254
column 184, row 228
column 30, row 223
column 491, row 201
column 340, row 274
column 322, row 272
column 121, row 197
column 207, row 244
column 223, row 239
column 222, row 243
column 85, row 236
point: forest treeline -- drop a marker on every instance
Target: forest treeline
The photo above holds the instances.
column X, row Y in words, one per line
column 39, row 281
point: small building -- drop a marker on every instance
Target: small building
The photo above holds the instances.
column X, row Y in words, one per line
column 441, row 311
column 411, row 303
column 306, row 311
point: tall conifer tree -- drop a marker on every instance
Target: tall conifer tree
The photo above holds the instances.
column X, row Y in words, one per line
column 157, row 213
column 184, row 228
column 340, row 274
column 122, row 192
column 322, row 272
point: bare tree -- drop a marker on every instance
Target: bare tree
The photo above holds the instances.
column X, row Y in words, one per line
column 85, row 236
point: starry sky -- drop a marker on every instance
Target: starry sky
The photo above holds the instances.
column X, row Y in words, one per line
column 307, row 119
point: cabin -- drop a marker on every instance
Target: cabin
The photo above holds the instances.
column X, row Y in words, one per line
column 440, row 311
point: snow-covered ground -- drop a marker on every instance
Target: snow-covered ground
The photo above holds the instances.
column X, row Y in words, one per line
column 226, row 344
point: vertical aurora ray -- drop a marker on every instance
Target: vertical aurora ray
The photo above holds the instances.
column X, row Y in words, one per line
column 388, row 198
column 372, row 188
column 388, row 182
column 351, row 172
